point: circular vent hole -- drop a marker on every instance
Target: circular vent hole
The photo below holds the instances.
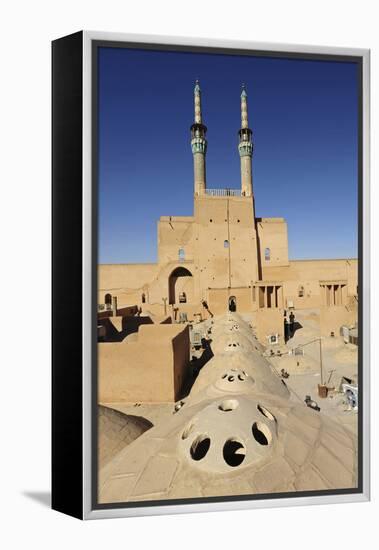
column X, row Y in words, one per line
column 187, row 431
column 265, row 412
column 200, row 447
column 224, row 376
column 234, row 452
column 261, row 433
column 241, row 377
column 231, row 378
column 228, row 405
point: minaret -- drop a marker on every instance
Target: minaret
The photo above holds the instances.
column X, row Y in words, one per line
column 198, row 144
column 245, row 148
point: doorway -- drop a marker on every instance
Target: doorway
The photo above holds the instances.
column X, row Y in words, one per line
column 180, row 286
column 232, row 303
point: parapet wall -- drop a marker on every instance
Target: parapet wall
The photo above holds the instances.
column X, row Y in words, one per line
column 151, row 369
column 268, row 322
column 333, row 317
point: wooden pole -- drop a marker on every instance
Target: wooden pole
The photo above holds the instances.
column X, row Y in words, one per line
column 322, row 376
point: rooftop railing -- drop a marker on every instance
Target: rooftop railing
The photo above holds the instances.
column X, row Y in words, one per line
column 223, row 192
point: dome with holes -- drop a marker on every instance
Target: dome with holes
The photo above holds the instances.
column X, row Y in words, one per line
column 229, row 434
column 234, row 380
column 229, row 343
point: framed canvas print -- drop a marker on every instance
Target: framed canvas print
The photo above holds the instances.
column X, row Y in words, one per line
column 210, row 275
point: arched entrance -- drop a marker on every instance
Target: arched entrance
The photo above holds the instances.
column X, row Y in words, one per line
column 180, row 283
column 232, row 303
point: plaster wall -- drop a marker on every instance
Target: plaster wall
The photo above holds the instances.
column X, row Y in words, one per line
column 272, row 235
column 126, row 281
column 218, row 299
column 219, row 249
column 225, row 243
column 269, row 321
column 333, row 317
column 308, row 274
column 298, row 270
column 175, row 233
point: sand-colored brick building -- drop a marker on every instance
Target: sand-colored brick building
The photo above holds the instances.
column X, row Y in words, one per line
column 225, row 255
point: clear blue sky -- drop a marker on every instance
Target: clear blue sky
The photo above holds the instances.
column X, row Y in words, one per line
column 304, row 119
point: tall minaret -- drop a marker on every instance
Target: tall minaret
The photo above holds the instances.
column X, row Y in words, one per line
column 198, row 144
column 245, row 148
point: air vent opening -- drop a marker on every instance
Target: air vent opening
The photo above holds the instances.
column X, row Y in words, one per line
column 265, row 412
column 228, row 405
column 200, row 447
column 261, row 433
column 234, row 452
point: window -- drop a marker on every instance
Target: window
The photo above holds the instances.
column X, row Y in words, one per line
column 301, row 292
column 181, row 255
column 226, row 243
column 267, row 254
column 143, row 298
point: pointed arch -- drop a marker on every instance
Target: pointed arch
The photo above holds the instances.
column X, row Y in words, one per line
column 178, row 282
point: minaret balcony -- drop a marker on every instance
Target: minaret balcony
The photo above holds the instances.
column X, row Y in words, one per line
column 199, row 145
column 245, row 148
column 222, row 192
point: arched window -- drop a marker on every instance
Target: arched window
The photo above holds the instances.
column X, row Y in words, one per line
column 181, row 255
column 108, row 299
column 226, row 243
column 143, row 298
column 301, row 292
column 182, row 298
column 267, row 254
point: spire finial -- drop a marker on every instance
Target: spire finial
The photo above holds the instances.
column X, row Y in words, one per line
column 197, row 94
column 244, row 120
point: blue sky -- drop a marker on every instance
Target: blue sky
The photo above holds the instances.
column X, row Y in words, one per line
column 304, row 119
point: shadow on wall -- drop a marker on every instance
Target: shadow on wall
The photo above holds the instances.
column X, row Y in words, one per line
column 129, row 325
column 198, row 363
column 193, row 369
